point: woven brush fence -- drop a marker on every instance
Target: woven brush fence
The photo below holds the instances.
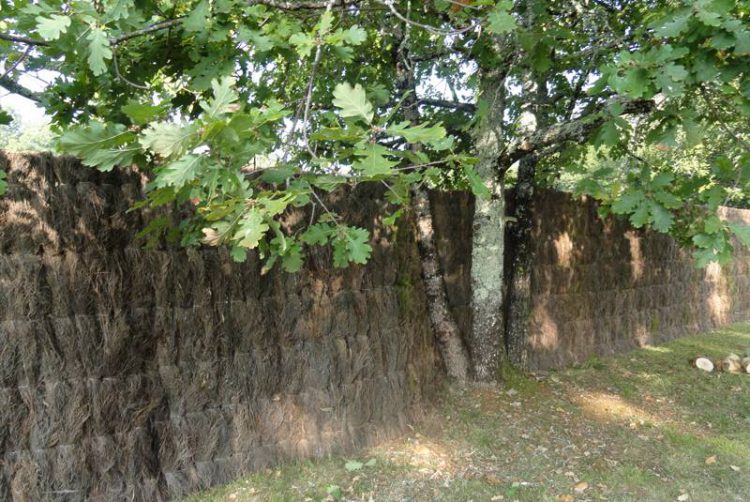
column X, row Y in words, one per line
column 599, row 287
column 133, row 374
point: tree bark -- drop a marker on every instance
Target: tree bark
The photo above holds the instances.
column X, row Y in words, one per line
column 518, row 253
column 518, row 263
column 488, row 242
column 446, row 330
column 444, row 326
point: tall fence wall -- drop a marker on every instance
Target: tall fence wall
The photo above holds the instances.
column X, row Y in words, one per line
column 133, row 374
column 129, row 374
column 599, row 287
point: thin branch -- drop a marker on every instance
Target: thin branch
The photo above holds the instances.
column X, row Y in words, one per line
column 119, row 75
column 398, row 197
column 640, row 159
column 23, row 40
column 464, row 5
column 577, row 92
column 307, row 5
column 112, row 40
column 325, row 208
column 415, row 167
column 596, row 49
column 444, row 51
column 722, row 125
column 277, row 4
column 444, row 103
column 426, row 27
column 579, row 130
column 734, row 136
column 607, row 7
column 16, row 88
column 20, row 60
column 312, row 213
column 145, row 31
column 311, row 85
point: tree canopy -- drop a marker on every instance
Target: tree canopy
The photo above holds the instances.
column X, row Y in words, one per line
column 242, row 109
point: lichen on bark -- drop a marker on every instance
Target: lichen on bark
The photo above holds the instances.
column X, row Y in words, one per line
column 488, row 244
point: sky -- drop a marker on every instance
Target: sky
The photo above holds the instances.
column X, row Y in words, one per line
column 29, row 114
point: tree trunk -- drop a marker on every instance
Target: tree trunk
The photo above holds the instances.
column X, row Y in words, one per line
column 485, row 345
column 518, row 263
column 519, row 256
column 446, row 330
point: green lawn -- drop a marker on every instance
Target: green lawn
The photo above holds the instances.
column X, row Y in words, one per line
column 644, row 426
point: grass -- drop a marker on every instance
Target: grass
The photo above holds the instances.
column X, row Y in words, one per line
column 644, row 426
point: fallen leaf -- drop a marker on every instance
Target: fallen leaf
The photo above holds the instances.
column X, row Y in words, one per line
column 683, row 497
column 734, row 468
column 581, row 487
column 711, row 460
column 491, row 480
column 566, row 498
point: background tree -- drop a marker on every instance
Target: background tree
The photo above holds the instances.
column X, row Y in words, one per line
column 249, row 107
column 19, row 137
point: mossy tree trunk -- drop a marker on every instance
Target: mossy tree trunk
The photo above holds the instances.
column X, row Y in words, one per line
column 488, row 240
column 501, row 298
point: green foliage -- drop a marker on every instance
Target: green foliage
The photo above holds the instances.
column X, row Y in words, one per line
column 50, row 28
column 676, row 192
column 251, row 229
column 179, row 173
column 356, row 465
column 433, row 136
column 140, row 114
column 99, row 51
column 351, row 245
column 500, row 20
column 352, row 102
column 100, row 145
column 372, row 161
column 224, row 96
column 5, row 117
column 334, row 492
column 675, row 166
column 249, row 111
column 169, row 140
column 202, row 160
column 649, row 204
